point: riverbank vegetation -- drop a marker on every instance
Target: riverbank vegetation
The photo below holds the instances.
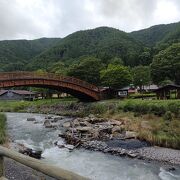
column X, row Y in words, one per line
column 2, row 128
column 156, row 121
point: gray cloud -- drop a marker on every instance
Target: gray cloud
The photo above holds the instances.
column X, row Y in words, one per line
column 14, row 23
column 56, row 18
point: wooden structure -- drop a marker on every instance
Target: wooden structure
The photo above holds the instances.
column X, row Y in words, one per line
column 37, row 165
column 76, row 87
column 17, row 95
column 165, row 91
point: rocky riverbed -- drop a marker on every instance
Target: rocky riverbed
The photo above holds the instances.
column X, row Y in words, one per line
column 47, row 133
column 107, row 136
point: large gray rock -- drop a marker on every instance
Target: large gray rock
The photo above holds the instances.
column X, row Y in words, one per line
column 75, row 122
column 116, row 129
column 31, row 119
column 84, row 129
column 67, row 124
column 47, row 124
column 105, row 128
column 130, row 134
column 84, row 123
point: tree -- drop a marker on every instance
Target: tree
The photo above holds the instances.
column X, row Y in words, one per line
column 141, row 76
column 117, row 61
column 166, row 65
column 58, row 68
column 18, row 66
column 116, row 76
column 145, row 57
column 88, row 70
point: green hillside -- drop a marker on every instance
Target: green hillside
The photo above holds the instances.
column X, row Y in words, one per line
column 104, row 43
column 155, row 34
column 15, row 53
column 102, row 56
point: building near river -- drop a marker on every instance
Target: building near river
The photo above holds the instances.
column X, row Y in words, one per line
column 168, row 92
column 17, row 95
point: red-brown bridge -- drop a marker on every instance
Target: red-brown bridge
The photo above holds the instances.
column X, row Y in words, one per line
column 76, row 87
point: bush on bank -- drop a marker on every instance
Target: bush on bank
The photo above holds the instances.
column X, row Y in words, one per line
column 157, row 107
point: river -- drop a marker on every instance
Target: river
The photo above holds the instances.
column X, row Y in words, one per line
column 95, row 165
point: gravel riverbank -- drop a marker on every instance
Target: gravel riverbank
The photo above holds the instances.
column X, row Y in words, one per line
column 161, row 154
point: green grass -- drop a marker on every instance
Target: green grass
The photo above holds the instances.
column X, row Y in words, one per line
column 2, row 128
column 19, row 106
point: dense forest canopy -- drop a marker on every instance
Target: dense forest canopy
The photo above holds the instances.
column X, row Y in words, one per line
column 93, row 54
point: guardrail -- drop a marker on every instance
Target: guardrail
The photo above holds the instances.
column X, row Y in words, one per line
column 37, row 165
column 44, row 75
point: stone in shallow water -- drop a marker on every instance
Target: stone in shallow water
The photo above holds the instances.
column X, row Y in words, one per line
column 31, row 152
column 47, row 124
column 31, row 119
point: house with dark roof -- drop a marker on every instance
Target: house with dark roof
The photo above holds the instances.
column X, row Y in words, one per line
column 17, row 95
column 165, row 92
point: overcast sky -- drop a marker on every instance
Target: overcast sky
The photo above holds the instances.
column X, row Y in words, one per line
column 30, row 19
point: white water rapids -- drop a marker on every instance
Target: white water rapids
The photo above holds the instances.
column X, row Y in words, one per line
column 95, row 165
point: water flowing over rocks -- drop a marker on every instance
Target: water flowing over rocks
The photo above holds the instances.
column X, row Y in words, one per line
column 105, row 135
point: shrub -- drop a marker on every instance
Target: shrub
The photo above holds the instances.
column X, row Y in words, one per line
column 128, row 107
column 96, row 108
column 168, row 116
column 174, row 108
column 158, row 110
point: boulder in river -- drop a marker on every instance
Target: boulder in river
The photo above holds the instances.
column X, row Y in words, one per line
column 31, row 153
column 56, row 119
column 47, row 124
column 31, row 119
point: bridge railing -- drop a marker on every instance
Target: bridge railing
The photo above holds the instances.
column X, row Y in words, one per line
column 37, row 165
column 43, row 75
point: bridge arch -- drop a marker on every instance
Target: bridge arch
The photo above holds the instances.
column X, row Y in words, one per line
column 76, row 87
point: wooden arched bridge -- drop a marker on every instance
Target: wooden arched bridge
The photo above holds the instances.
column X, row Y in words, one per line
column 76, row 87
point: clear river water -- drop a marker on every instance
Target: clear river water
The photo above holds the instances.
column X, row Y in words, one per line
column 95, row 165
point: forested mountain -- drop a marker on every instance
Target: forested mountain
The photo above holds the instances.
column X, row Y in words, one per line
column 136, row 48
column 98, row 54
column 15, row 53
column 104, row 43
column 151, row 36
